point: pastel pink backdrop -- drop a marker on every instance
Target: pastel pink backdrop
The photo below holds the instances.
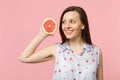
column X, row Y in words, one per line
column 20, row 21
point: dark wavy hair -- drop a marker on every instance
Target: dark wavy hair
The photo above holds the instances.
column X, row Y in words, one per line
column 83, row 17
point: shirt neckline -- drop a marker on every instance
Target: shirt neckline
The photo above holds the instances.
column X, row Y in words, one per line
column 80, row 53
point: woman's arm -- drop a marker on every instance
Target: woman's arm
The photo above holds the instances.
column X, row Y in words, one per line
column 100, row 68
column 29, row 55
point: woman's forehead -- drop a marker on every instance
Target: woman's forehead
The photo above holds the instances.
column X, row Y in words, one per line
column 71, row 15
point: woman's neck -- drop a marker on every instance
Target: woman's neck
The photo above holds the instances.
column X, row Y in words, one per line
column 76, row 43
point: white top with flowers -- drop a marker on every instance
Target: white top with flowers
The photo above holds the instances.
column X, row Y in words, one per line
column 68, row 66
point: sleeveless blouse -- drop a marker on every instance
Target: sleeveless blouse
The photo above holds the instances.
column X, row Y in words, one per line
column 83, row 66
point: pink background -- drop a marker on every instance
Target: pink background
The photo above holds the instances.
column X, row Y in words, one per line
column 20, row 21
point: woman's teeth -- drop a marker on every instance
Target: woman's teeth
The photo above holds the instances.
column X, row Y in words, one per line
column 68, row 31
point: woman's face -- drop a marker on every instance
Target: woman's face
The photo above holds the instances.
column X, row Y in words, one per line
column 72, row 25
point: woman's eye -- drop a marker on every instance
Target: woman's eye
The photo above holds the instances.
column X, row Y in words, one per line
column 63, row 22
column 73, row 22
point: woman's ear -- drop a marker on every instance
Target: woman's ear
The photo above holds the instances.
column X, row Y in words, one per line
column 83, row 27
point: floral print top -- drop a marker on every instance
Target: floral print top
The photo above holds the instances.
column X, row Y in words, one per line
column 68, row 66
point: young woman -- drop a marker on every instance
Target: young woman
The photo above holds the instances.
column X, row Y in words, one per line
column 75, row 58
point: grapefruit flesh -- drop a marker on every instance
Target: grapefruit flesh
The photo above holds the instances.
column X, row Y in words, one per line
column 49, row 25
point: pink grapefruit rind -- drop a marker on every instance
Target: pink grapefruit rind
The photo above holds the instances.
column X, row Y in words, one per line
column 53, row 22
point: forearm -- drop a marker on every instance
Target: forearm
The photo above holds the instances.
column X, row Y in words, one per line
column 30, row 49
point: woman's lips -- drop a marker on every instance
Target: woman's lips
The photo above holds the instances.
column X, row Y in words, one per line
column 68, row 31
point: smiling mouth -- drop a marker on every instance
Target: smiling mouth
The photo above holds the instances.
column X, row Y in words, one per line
column 68, row 31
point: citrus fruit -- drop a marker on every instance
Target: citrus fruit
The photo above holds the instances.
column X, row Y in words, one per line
column 49, row 25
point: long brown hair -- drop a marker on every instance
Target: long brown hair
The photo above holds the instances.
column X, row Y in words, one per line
column 83, row 17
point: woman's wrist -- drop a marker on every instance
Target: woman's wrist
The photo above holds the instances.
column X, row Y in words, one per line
column 42, row 35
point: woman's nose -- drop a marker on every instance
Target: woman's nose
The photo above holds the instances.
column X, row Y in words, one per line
column 67, row 25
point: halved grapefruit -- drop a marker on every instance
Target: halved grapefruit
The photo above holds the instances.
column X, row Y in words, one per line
column 49, row 25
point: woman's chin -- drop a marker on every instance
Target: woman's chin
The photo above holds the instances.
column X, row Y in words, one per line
column 69, row 37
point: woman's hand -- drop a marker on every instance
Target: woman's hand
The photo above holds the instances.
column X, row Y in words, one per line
column 42, row 33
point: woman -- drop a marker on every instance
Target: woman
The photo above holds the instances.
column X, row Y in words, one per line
column 75, row 58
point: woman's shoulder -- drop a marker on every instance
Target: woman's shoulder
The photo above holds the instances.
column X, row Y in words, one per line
column 59, row 44
column 93, row 47
column 54, row 46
